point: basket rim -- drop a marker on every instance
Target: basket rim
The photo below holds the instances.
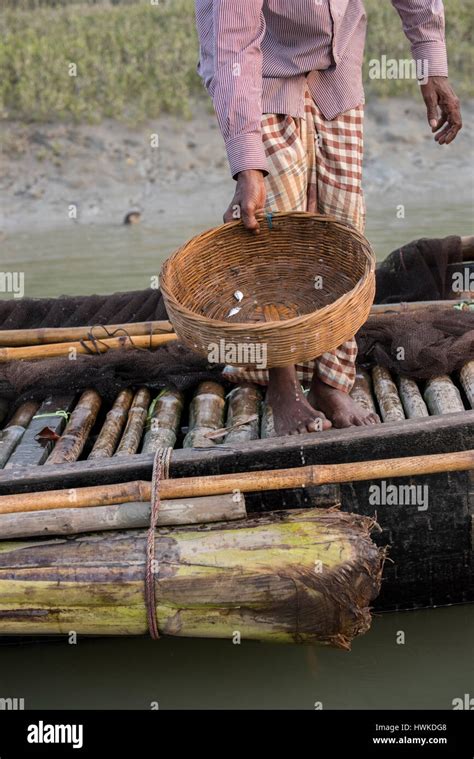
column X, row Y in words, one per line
column 284, row 323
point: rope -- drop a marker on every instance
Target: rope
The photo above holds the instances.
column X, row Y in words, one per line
column 161, row 467
column 60, row 412
column 119, row 332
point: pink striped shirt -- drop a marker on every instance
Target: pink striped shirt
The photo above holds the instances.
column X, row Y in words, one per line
column 258, row 56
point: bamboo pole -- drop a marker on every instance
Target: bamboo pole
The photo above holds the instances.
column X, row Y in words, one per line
column 467, row 381
column 24, row 414
column 54, row 350
column 362, row 391
column 135, row 423
column 442, row 396
column 124, row 516
column 411, row 398
column 307, row 575
column 46, row 335
column 71, row 443
column 13, row 432
column 246, row 482
column 164, row 420
column 243, row 411
column 112, row 428
column 391, row 409
column 206, row 415
column 417, row 305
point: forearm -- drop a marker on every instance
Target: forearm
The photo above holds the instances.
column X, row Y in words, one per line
column 423, row 24
column 236, row 82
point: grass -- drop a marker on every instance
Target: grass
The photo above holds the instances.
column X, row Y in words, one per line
column 135, row 61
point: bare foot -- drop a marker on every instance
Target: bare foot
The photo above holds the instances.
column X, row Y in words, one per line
column 292, row 413
column 339, row 407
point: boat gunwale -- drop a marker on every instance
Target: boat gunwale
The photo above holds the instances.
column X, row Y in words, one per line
column 453, row 432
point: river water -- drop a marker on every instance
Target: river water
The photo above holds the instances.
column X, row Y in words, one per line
column 435, row 664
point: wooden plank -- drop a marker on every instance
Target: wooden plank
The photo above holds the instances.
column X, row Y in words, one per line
column 416, row 436
column 30, row 451
column 13, row 432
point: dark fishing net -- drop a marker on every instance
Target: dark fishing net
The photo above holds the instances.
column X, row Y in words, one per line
column 418, row 271
column 77, row 311
column 418, row 344
column 108, row 373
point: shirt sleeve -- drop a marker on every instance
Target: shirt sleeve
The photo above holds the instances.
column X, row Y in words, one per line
column 423, row 24
column 235, row 80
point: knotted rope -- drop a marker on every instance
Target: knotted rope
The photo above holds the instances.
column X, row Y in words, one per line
column 161, row 467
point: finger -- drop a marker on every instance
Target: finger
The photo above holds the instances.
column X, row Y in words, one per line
column 453, row 117
column 249, row 220
column 432, row 112
column 448, row 134
column 441, row 121
column 230, row 214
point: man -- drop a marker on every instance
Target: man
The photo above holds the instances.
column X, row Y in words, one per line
column 285, row 77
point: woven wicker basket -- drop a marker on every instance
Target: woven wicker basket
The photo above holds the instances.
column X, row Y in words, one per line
column 307, row 281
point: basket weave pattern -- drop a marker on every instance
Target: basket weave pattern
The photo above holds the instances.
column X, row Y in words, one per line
column 308, row 282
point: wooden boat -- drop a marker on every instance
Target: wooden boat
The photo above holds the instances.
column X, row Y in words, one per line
column 88, row 442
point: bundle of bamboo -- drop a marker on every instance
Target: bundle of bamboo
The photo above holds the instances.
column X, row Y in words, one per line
column 300, row 576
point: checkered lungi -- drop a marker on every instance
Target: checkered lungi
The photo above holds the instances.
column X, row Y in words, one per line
column 315, row 165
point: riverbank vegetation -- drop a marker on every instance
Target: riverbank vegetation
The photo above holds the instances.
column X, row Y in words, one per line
column 64, row 60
